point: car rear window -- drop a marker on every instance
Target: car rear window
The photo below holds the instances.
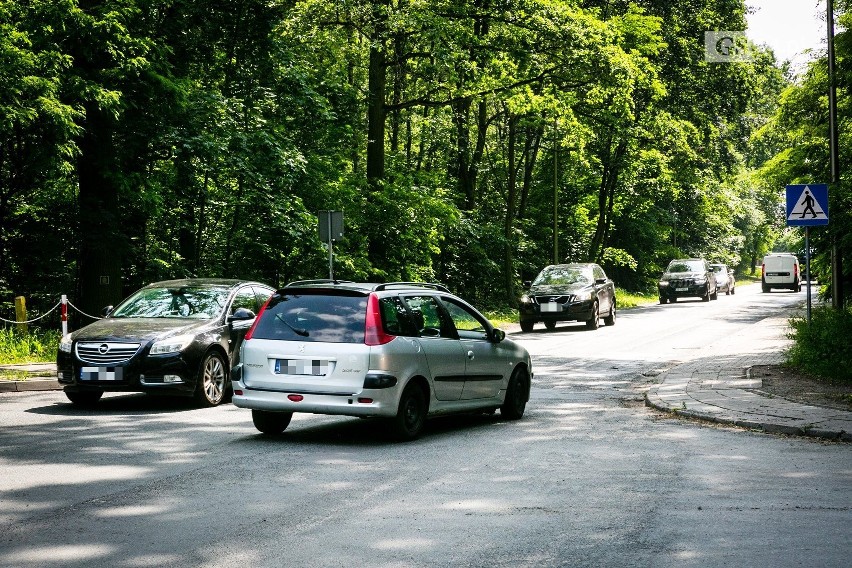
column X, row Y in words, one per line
column 327, row 318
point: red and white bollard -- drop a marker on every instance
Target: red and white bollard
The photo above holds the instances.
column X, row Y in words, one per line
column 64, row 315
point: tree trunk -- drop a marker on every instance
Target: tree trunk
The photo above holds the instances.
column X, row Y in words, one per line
column 508, row 226
column 102, row 248
column 376, row 116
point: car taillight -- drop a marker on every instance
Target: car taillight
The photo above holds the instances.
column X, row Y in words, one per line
column 374, row 333
column 796, row 270
column 257, row 319
column 763, row 270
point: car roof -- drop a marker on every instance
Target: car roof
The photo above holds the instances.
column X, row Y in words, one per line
column 573, row 265
column 365, row 287
column 204, row 282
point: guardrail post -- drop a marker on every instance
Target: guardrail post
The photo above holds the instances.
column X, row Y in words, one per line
column 21, row 313
column 64, row 303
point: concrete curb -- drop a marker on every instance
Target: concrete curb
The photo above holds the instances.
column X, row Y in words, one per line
column 760, row 420
column 39, row 384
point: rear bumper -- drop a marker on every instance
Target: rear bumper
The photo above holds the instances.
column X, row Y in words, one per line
column 368, row 402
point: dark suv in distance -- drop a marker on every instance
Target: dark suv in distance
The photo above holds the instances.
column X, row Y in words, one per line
column 568, row 292
column 176, row 337
column 688, row 277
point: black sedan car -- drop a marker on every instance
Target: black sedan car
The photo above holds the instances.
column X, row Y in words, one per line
column 568, row 292
column 177, row 337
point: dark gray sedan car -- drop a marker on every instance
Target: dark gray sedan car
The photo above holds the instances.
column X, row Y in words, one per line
column 178, row 337
column 568, row 292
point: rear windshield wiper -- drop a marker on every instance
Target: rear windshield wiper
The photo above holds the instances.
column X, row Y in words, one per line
column 297, row 330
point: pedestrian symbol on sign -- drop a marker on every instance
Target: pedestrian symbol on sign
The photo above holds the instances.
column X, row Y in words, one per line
column 807, row 207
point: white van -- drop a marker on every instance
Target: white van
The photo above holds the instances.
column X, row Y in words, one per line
column 781, row 270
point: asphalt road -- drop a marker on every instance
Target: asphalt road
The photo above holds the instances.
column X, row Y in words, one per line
column 589, row 477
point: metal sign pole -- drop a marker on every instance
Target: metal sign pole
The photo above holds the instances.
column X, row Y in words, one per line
column 330, row 249
column 808, row 270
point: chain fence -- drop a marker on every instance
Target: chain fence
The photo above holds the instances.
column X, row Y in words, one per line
column 50, row 311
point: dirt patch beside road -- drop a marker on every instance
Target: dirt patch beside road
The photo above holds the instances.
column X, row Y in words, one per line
column 796, row 386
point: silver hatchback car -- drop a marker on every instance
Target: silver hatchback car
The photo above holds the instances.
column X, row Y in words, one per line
column 400, row 351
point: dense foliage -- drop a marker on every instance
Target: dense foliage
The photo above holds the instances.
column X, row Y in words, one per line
column 148, row 139
column 822, row 346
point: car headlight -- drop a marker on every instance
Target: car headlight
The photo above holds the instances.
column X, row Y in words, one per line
column 664, row 283
column 171, row 345
column 582, row 296
column 65, row 344
column 525, row 299
column 700, row 280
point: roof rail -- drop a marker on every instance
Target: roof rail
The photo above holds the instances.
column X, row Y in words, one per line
column 316, row 281
column 431, row 286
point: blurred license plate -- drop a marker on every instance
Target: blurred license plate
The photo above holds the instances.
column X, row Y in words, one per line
column 315, row 367
column 101, row 373
column 550, row 307
column 681, row 289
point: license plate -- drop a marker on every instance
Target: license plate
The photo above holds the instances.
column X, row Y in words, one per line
column 101, row 373
column 681, row 289
column 315, row 367
column 550, row 307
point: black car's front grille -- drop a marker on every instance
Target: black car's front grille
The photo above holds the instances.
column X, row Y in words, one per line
column 682, row 283
column 106, row 353
column 545, row 299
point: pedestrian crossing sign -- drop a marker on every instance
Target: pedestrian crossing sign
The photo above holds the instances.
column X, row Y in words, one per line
column 807, row 205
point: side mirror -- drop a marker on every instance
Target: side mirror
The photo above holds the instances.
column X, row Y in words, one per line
column 527, row 283
column 498, row 335
column 600, row 281
column 241, row 314
column 107, row 310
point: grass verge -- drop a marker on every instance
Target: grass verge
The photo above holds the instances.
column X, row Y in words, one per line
column 823, row 348
column 33, row 347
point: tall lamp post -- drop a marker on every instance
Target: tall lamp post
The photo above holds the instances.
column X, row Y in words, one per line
column 836, row 260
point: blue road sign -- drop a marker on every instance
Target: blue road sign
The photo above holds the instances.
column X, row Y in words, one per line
column 807, row 205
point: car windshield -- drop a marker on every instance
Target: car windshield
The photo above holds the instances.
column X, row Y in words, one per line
column 314, row 317
column 181, row 302
column 718, row 268
column 686, row 266
column 562, row 275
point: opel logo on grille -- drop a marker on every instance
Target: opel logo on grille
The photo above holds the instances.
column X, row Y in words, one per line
column 103, row 349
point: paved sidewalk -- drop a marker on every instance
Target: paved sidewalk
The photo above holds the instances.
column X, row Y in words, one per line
column 719, row 387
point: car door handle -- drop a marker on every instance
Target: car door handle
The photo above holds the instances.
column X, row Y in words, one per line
column 470, row 354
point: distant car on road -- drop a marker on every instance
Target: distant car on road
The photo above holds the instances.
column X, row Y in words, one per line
column 725, row 280
column 780, row 270
column 568, row 292
column 687, row 277
column 176, row 337
column 400, row 351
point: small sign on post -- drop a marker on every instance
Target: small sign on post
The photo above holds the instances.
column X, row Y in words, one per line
column 330, row 229
column 807, row 206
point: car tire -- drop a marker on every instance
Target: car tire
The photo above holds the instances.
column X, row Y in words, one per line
column 733, row 290
column 517, row 394
column 410, row 416
column 271, row 422
column 706, row 297
column 527, row 326
column 211, row 381
column 663, row 300
column 610, row 319
column 765, row 289
column 673, row 300
column 550, row 325
column 594, row 321
column 728, row 291
column 715, row 294
column 86, row 398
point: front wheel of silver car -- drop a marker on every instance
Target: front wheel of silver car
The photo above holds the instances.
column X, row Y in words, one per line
column 610, row 319
column 410, row 415
column 211, row 380
column 271, row 422
column 517, row 394
column 527, row 326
